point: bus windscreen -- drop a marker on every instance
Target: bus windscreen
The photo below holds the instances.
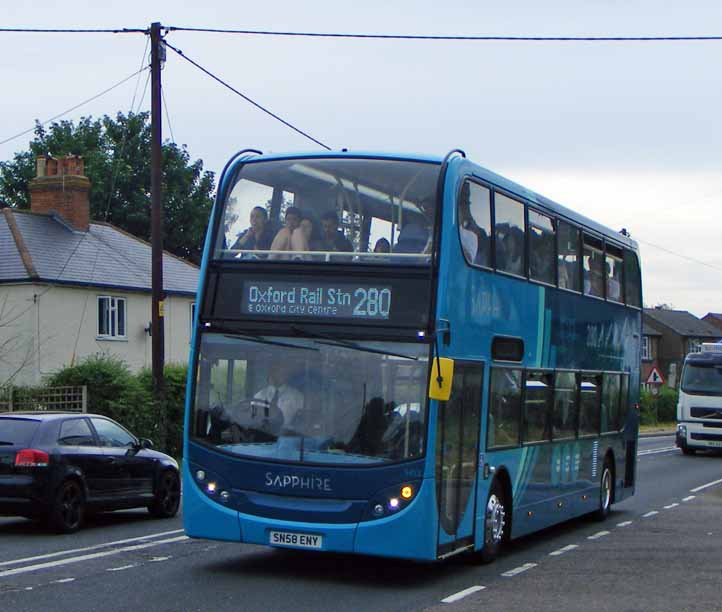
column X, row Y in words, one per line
column 311, row 400
column 373, row 211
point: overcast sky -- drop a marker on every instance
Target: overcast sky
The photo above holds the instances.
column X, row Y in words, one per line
column 625, row 133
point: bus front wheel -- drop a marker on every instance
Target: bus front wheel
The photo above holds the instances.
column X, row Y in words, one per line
column 495, row 522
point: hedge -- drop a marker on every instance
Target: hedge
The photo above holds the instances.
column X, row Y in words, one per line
column 116, row 392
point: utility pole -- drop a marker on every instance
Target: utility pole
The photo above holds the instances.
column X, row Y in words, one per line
column 158, row 348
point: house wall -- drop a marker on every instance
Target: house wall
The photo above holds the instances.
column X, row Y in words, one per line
column 56, row 326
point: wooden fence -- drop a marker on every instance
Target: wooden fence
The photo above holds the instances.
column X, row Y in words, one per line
column 64, row 399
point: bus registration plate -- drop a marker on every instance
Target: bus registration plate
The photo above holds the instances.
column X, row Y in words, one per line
column 296, row 540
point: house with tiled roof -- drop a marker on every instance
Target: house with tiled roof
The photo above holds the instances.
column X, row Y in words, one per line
column 71, row 287
column 714, row 318
column 680, row 333
column 650, row 350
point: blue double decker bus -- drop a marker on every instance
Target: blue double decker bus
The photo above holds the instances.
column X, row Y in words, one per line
column 405, row 356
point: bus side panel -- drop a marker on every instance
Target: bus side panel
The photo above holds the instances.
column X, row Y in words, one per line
column 202, row 517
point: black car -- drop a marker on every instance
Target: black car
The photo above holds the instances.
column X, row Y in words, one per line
column 57, row 467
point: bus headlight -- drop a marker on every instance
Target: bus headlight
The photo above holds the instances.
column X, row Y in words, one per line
column 391, row 500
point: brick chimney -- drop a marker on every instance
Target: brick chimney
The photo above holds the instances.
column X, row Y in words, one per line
column 61, row 187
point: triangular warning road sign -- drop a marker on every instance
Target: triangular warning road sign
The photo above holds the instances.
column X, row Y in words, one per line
column 655, row 377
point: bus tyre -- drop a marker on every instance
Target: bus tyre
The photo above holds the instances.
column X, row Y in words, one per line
column 167, row 496
column 606, row 491
column 68, row 509
column 495, row 522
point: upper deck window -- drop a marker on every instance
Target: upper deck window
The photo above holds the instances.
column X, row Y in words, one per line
column 369, row 211
column 509, row 228
column 475, row 223
column 593, row 266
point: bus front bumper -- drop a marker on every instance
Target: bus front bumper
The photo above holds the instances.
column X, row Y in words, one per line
column 399, row 535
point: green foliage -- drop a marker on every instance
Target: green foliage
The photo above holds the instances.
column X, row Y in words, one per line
column 660, row 408
column 116, row 153
column 128, row 398
column 169, row 423
column 107, row 379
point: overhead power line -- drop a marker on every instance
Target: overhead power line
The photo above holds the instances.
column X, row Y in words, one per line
column 451, row 37
column 670, row 252
column 95, row 97
column 246, row 98
column 73, row 31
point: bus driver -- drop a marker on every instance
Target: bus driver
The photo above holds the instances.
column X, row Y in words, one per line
column 279, row 393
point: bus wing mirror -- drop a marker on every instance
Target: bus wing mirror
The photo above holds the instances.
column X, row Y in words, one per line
column 440, row 379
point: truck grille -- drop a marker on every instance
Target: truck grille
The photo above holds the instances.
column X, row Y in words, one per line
column 706, row 436
column 706, row 413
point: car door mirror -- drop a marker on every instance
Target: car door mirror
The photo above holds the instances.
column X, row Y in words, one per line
column 146, row 443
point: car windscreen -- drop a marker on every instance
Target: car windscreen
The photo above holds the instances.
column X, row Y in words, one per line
column 330, row 210
column 17, row 432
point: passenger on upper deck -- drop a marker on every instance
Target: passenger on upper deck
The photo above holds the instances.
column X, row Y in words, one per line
column 333, row 238
column 259, row 236
column 382, row 246
column 413, row 238
column 290, row 237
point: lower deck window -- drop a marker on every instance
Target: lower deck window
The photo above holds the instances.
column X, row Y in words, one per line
column 504, row 408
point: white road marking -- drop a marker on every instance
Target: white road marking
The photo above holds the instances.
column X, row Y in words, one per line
column 652, row 513
column 462, row 594
column 561, row 551
column 519, row 570
column 89, row 548
column 157, row 559
column 121, row 568
column 39, row 566
column 624, row 524
column 705, row 486
column 598, row 535
column 689, row 498
column 62, row 581
column 654, row 451
column 674, row 505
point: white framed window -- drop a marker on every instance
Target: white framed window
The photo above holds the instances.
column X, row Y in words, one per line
column 111, row 317
column 646, row 348
column 695, row 345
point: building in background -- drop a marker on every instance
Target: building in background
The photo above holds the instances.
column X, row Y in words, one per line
column 714, row 318
column 675, row 334
column 71, row 287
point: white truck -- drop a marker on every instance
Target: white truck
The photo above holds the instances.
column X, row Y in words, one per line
column 699, row 409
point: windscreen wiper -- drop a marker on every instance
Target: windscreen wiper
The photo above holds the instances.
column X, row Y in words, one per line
column 331, row 341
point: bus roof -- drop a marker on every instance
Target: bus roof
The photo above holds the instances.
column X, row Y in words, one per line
column 465, row 166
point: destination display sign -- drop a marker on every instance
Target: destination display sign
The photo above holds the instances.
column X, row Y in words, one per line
column 317, row 300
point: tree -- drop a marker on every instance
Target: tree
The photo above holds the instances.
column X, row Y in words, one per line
column 116, row 153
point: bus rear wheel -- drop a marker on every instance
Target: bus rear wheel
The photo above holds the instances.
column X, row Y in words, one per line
column 495, row 523
column 606, row 491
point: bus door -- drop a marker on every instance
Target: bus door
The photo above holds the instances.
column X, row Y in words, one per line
column 457, row 451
